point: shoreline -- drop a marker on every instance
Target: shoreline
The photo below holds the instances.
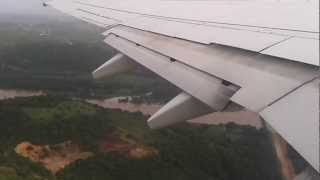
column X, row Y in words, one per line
column 239, row 118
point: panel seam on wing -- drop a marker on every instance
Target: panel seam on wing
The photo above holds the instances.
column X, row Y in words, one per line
column 291, row 91
column 175, row 60
column 276, row 43
column 132, row 12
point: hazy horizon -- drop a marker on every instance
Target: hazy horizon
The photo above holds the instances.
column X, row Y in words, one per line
column 31, row 7
column 30, row 12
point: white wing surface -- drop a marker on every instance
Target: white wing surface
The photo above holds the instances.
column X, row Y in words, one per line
column 262, row 55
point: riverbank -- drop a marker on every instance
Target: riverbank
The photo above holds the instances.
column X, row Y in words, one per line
column 56, row 137
column 13, row 93
column 240, row 118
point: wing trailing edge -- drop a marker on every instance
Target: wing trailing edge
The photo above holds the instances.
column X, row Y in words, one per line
column 207, row 90
column 269, row 63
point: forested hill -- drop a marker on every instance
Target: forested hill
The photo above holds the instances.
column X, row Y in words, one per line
column 58, row 56
column 125, row 148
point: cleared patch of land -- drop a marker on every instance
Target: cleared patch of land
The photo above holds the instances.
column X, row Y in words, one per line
column 117, row 145
column 52, row 157
column 126, row 147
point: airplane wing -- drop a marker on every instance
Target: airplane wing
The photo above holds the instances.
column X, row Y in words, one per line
column 262, row 55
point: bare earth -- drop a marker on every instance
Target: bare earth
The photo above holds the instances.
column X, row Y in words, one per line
column 126, row 147
column 57, row 157
column 54, row 158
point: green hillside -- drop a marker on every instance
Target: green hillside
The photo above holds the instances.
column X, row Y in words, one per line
column 125, row 148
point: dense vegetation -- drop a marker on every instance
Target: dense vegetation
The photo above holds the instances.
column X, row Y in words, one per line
column 185, row 151
column 59, row 57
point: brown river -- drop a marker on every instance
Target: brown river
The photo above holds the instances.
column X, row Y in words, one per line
column 240, row 118
column 12, row 93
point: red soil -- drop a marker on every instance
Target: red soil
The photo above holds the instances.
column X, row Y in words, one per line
column 133, row 151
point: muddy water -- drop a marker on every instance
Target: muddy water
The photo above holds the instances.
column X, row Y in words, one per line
column 240, row 118
column 113, row 103
column 12, row 93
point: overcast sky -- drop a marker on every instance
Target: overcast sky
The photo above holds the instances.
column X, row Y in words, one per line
column 25, row 7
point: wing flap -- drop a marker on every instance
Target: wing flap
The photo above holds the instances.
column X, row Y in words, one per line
column 264, row 90
column 177, row 73
column 245, row 69
column 299, row 122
